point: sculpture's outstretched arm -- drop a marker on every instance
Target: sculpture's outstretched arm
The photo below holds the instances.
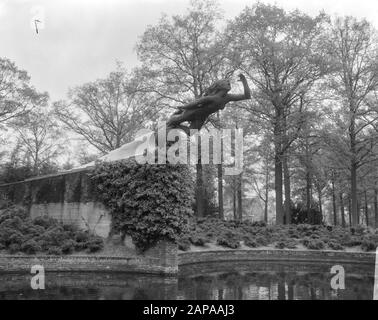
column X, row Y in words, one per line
column 196, row 103
column 247, row 91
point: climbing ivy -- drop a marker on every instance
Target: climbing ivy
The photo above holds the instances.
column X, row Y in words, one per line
column 149, row 202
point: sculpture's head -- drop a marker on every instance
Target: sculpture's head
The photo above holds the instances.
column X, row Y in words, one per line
column 218, row 86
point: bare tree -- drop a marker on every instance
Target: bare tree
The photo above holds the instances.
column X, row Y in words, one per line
column 107, row 112
column 182, row 56
column 17, row 96
column 40, row 139
column 281, row 53
column 354, row 50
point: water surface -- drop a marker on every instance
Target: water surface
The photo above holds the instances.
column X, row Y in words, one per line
column 214, row 281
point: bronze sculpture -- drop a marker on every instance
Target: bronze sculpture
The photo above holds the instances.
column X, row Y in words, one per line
column 214, row 99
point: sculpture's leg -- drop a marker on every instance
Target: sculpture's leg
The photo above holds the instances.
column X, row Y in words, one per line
column 197, row 124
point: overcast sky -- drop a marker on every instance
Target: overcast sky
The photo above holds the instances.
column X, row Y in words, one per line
column 81, row 39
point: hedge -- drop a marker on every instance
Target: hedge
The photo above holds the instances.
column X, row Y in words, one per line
column 149, row 202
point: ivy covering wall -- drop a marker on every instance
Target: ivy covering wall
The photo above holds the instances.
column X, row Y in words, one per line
column 149, row 202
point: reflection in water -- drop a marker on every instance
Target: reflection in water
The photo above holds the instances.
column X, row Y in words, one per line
column 274, row 286
column 201, row 281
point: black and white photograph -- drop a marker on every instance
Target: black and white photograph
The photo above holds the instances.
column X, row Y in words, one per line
column 194, row 155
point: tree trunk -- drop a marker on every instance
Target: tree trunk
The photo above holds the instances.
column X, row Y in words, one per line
column 199, row 191
column 354, row 207
column 334, row 201
column 220, row 181
column 320, row 202
column 350, row 211
column 308, row 191
column 220, row 191
column 376, row 207
column 287, row 190
column 234, row 198
column 278, row 179
column 240, row 198
column 266, row 200
column 366, row 209
column 278, row 189
column 342, row 211
column 286, row 172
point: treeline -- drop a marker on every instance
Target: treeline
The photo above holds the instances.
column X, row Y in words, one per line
column 310, row 128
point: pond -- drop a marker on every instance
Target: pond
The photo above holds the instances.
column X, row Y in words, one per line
column 214, row 281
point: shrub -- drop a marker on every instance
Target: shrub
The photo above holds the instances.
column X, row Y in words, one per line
column 30, row 247
column 335, row 245
column 15, row 238
column 368, row 245
column 148, row 202
column 56, row 251
column 45, row 221
column 358, row 230
column 353, row 241
column 11, row 212
column 68, row 246
column 70, row 228
column 252, row 243
column 289, row 244
column 315, row 245
column 261, row 224
column 82, row 236
column 14, row 248
column 198, row 240
column 228, row 242
column 184, row 244
column 262, row 241
column 305, row 241
column 20, row 233
column 95, row 244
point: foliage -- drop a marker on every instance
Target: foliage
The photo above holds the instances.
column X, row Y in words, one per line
column 19, row 233
column 315, row 244
column 184, row 244
column 301, row 215
column 231, row 234
column 148, row 202
column 286, row 244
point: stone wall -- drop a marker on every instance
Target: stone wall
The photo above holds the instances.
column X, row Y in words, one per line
column 277, row 255
column 71, row 198
column 196, row 263
column 68, row 197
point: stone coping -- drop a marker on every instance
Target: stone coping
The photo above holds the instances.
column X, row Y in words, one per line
column 66, row 257
column 52, row 175
column 281, row 255
column 83, row 263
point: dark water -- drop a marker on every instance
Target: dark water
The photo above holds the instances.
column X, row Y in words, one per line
column 202, row 281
